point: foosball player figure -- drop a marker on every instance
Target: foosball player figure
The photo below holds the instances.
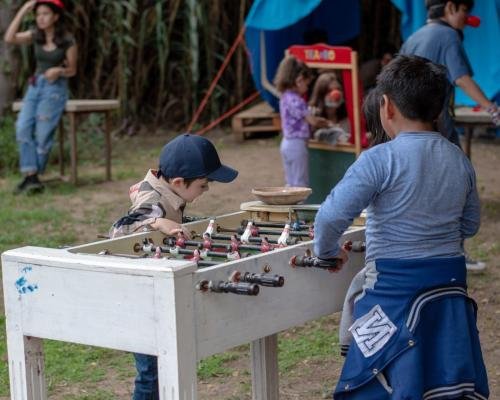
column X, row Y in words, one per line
column 207, row 241
column 265, row 246
column 408, row 327
column 187, row 164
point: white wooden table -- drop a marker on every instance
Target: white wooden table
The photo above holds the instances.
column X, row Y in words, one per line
column 469, row 118
column 151, row 306
column 72, row 110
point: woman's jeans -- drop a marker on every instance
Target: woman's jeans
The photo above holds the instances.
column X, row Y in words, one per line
column 43, row 105
column 146, row 381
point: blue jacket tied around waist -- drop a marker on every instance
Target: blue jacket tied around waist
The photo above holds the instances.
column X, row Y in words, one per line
column 414, row 335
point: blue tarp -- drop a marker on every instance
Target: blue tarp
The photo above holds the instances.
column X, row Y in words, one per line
column 481, row 44
column 287, row 22
column 278, row 14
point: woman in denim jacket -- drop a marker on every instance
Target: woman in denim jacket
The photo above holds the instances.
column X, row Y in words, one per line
column 43, row 104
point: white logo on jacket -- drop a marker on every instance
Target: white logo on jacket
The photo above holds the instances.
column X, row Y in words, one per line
column 372, row 331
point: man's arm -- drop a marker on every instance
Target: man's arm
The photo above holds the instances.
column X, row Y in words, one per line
column 469, row 86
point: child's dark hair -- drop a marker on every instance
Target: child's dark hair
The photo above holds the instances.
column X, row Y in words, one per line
column 416, row 85
column 60, row 34
column 435, row 8
column 321, row 89
column 371, row 111
column 288, row 71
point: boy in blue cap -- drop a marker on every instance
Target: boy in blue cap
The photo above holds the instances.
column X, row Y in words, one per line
column 412, row 326
column 187, row 164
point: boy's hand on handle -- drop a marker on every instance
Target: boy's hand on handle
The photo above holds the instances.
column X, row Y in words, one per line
column 170, row 228
column 342, row 258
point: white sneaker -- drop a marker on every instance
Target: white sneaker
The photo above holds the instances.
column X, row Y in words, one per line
column 474, row 265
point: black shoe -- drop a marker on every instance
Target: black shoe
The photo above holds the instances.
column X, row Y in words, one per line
column 30, row 185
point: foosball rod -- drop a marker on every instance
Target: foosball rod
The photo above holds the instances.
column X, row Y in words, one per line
column 241, row 230
column 152, row 249
column 281, row 225
column 250, row 239
column 172, row 240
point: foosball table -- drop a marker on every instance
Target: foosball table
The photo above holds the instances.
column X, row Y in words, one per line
column 240, row 278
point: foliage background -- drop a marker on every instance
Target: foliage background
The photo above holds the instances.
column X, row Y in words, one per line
column 159, row 56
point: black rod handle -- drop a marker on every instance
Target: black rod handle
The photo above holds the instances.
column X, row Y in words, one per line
column 315, row 262
column 242, row 288
column 263, row 279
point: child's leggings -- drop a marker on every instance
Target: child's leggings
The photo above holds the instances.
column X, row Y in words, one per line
column 295, row 161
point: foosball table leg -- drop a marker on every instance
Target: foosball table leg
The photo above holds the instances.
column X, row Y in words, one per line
column 26, row 362
column 175, row 337
column 265, row 378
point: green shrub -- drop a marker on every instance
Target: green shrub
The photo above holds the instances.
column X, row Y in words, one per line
column 9, row 156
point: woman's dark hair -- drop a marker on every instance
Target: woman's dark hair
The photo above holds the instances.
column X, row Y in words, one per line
column 60, row 35
column 371, row 111
column 288, row 71
column 416, row 85
column 321, row 89
column 435, row 8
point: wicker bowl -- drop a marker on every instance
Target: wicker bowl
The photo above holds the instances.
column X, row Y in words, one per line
column 281, row 194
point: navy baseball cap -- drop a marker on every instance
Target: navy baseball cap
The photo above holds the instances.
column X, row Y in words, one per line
column 192, row 156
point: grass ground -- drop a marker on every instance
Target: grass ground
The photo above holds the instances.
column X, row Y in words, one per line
column 309, row 366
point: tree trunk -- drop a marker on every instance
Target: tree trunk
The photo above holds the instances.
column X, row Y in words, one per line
column 7, row 88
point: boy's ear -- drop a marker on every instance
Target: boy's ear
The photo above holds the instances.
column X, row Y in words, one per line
column 177, row 182
column 387, row 106
column 449, row 8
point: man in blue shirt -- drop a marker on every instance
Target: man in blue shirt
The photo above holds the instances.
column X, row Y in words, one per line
column 440, row 41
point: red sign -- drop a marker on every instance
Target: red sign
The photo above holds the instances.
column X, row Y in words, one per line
column 322, row 53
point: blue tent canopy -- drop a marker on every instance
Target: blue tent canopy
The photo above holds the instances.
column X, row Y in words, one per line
column 481, row 44
column 277, row 24
column 281, row 23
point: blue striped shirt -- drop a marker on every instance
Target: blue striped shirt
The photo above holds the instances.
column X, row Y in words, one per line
column 420, row 194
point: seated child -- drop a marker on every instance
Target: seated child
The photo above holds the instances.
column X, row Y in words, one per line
column 327, row 101
column 187, row 164
column 412, row 326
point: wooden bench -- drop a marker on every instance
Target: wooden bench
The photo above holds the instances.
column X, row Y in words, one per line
column 468, row 118
column 72, row 110
column 259, row 118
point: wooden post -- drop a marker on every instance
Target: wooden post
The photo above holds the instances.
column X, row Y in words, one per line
column 237, row 126
column 73, row 143
column 61, row 146
column 355, row 101
column 265, row 375
column 107, row 146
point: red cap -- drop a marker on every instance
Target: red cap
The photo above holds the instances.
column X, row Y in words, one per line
column 57, row 3
column 335, row 95
column 473, row 21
